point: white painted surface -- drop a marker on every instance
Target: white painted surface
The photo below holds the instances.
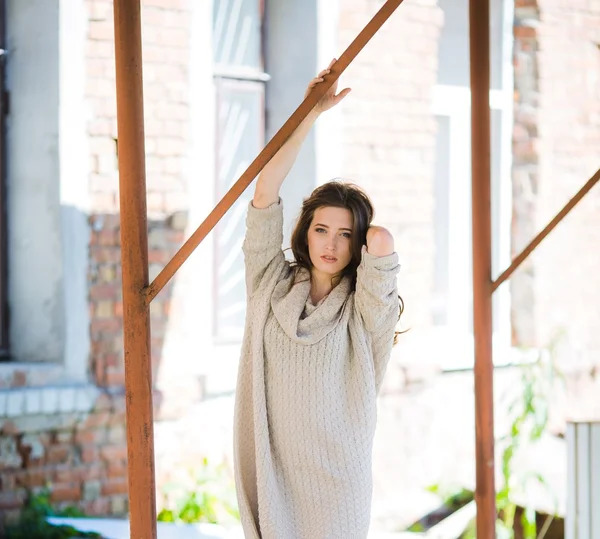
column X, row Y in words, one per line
column 34, row 229
column 119, row 529
column 74, row 186
column 583, row 509
column 48, row 400
column 47, row 183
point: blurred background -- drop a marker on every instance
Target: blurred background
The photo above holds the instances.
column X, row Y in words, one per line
column 220, row 78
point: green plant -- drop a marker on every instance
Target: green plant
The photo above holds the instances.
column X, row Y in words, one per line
column 529, row 412
column 529, row 419
column 32, row 522
column 208, row 496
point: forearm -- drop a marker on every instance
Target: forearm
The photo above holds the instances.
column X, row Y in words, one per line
column 274, row 173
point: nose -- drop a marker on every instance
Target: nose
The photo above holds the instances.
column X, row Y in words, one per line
column 331, row 244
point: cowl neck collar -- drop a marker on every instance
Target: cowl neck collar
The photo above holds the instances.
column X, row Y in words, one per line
column 290, row 298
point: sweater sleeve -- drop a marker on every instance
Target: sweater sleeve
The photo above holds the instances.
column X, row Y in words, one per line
column 376, row 300
column 263, row 256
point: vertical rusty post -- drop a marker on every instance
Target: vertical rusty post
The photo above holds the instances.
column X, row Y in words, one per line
column 134, row 260
column 479, row 34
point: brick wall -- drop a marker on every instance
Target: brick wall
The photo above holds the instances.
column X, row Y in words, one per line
column 389, row 133
column 165, row 33
column 556, row 141
column 74, row 437
column 81, row 454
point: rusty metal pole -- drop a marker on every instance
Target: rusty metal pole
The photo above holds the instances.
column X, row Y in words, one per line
column 134, row 260
column 479, row 34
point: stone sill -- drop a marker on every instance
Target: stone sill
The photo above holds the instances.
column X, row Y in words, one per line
column 28, row 389
column 22, row 374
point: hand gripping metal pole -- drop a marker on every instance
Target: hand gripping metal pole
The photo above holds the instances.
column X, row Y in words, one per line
column 271, row 148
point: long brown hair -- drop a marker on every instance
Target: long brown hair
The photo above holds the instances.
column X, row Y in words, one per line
column 338, row 194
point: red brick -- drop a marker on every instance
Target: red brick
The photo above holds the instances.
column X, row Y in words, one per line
column 67, row 475
column 111, row 325
column 117, row 469
column 91, row 436
column 113, row 453
column 99, row 366
column 90, row 454
column 102, row 254
column 114, row 360
column 59, row 454
column 114, row 486
column 105, row 291
column 39, row 477
column 93, row 472
column 524, row 32
column 65, row 492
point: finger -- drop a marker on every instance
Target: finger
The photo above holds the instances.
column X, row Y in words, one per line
column 324, row 72
column 342, row 94
column 331, row 63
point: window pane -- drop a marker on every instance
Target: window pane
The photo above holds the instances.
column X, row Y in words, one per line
column 237, row 33
column 240, row 138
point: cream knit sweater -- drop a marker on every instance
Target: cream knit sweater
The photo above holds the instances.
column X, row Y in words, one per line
column 307, row 387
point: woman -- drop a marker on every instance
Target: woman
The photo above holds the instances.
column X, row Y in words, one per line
column 319, row 333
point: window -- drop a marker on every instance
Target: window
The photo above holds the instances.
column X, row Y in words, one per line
column 452, row 307
column 4, row 350
column 239, row 79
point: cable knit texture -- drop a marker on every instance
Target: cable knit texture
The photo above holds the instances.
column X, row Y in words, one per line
column 307, row 388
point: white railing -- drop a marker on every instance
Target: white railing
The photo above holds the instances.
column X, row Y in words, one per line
column 583, row 481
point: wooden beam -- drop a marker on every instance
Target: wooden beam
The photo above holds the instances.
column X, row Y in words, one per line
column 134, row 264
column 549, row 227
column 272, row 148
column 479, row 38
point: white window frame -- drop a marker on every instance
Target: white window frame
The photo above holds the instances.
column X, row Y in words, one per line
column 454, row 104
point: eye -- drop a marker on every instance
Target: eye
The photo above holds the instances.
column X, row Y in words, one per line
column 320, row 230
column 346, row 234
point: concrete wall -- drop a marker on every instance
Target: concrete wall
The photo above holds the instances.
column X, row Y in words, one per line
column 35, row 242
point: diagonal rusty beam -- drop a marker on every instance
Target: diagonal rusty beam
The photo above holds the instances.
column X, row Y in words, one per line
column 271, row 149
column 519, row 259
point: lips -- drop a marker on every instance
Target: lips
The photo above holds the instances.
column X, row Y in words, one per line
column 329, row 259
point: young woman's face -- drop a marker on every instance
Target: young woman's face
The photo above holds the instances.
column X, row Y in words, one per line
column 329, row 240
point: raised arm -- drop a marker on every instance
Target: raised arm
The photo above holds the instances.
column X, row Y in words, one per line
column 376, row 297
column 274, row 173
column 376, row 287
